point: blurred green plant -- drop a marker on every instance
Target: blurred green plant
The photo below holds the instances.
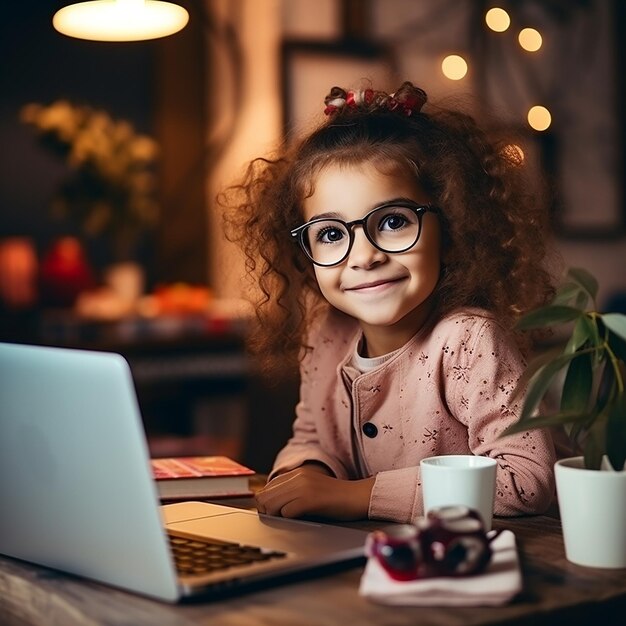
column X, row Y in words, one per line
column 111, row 189
column 592, row 401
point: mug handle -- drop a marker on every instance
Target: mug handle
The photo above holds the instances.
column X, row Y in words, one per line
column 492, row 534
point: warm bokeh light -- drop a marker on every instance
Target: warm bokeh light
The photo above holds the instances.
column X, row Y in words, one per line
column 497, row 19
column 530, row 39
column 454, row 67
column 539, row 118
column 120, row 20
column 514, row 154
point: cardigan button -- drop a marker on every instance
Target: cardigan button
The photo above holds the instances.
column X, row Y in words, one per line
column 370, row 430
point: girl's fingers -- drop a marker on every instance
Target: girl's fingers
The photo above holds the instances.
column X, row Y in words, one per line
column 260, row 507
column 293, row 509
column 271, row 502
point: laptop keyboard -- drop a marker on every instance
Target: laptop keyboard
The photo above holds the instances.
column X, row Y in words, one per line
column 196, row 556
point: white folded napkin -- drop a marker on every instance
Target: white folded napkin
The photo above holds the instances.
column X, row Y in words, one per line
column 500, row 582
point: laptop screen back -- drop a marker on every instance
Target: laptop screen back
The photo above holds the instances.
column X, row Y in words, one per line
column 75, row 483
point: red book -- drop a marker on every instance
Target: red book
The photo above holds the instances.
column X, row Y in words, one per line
column 200, row 478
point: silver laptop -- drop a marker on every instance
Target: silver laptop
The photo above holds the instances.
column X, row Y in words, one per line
column 77, row 494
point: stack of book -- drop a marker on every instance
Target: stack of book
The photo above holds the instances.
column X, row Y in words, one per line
column 201, row 478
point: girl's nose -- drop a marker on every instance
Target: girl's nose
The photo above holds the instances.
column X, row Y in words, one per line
column 363, row 254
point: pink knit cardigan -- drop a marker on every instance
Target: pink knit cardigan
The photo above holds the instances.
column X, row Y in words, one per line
column 449, row 390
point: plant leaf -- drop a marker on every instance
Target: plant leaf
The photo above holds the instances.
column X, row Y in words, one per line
column 578, row 430
column 615, row 322
column 582, row 300
column 548, row 316
column 616, row 433
column 585, row 280
column 565, row 293
column 543, row 379
column 618, row 346
column 575, row 432
column 584, row 330
column 595, row 442
column 606, row 392
column 577, row 385
column 595, row 331
column 531, row 369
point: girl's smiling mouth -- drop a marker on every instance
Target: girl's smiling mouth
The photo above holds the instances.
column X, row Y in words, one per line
column 375, row 285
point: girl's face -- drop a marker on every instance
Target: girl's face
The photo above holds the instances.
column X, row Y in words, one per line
column 389, row 294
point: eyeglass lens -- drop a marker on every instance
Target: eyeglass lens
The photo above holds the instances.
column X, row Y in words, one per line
column 390, row 228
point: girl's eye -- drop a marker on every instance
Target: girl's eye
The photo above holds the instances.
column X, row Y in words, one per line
column 393, row 221
column 329, row 234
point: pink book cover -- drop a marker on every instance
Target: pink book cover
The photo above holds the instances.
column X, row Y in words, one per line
column 197, row 467
column 200, row 477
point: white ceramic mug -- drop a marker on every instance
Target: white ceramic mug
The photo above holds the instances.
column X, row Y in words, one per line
column 463, row 479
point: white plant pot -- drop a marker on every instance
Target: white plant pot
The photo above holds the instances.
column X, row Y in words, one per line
column 592, row 505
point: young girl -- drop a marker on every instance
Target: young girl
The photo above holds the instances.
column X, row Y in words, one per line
column 394, row 248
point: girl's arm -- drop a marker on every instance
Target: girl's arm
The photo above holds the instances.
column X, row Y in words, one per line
column 304, row 445
column 487, row 405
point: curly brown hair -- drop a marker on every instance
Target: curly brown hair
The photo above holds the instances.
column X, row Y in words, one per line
column 494, row 228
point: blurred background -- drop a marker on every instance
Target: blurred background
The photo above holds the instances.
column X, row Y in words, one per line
column 112, row 154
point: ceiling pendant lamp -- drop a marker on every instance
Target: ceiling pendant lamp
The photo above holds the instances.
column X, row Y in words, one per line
column 120, row 20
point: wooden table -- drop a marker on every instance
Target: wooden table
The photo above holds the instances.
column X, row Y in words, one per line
column 555, row 592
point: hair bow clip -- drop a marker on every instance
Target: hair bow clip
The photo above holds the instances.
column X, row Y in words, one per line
column 407, row 100
column 335, row 100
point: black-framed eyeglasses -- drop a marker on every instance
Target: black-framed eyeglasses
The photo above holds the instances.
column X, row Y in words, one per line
column 392, row 227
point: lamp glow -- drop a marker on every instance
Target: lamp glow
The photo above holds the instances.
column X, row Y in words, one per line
column 539, row 118
column 514, row 154
column 454, row 67
column 497, row 19
column 120, row 20
column 530, row 39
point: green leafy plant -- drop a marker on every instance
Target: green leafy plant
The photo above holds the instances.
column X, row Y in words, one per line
column 592, row 401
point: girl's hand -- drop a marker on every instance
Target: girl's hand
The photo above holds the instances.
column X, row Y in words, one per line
column 309, row 490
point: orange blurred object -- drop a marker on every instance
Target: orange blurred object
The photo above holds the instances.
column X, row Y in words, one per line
column 18, row 273
column 181, row 298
